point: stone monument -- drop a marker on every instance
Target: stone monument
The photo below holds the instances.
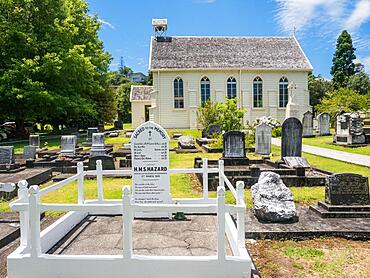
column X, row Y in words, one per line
column 186, row 142
column 29, row 152
column 211, row 131
column 234, row 148
column 34, row 140
column 272, row 200
column 90, row 132
column 7, row 155
column 349, row 130
column 97, row 146
column 323, row 124
column 68, row 145
column 291, row 138
column 292, row 109
column 150, row 167
column 307, row 123
column 263, row 139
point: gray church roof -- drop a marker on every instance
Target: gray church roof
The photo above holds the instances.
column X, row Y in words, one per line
column 271, row 53
column 140, row 92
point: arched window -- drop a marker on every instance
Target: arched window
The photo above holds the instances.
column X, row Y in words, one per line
column 205, row 89
column 257, row 92
column 178, row 93
column 283, row 92
column 231, row 87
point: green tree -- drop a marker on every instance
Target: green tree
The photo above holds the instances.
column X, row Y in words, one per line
column 359, row 82
column 230, row 116
column 52, row 64
column 318, row 88
column 208, row 114
column 123, row 101
column 343, row 66
column 343, row 99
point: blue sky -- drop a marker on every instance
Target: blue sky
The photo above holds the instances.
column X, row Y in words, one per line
column 126, row 25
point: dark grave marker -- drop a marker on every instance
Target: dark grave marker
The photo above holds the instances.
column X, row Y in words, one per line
column 90, row 132
column 7, row 155
column 291, row 138
column 107, row 162
column 233, row 144
column 347, row 189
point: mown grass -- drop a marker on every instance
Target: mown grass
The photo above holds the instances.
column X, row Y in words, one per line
column 327, row 142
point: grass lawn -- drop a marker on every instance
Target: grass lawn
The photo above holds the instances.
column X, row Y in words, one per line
column 322, row 257
column 327, row 142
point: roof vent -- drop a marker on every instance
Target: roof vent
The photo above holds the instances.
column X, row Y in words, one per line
column 160, row 28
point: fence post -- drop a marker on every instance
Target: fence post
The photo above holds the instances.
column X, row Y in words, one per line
column 127, row 222
column 34, row 218
column 220, row 170
column 99, row 178
column 80, row 172
column 205, row 178
column 221, row 223
column 240, row 218
column 24, row 215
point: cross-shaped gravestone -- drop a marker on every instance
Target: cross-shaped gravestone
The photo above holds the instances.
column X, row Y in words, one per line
column 150, row 167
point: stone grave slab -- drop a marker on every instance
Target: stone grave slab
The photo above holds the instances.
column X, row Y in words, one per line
column 34, row 140
column 150, row 167
column 291, row 138
column 323, row 124
column 7, row 155
column 68, row 145
column 97, row 146
column 263, row 139
column 296, row 162
column 29, row 152
column 234, row 144
column 307, row 123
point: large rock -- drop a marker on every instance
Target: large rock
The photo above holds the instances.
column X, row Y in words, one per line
column 272, row 200
column 186, row 142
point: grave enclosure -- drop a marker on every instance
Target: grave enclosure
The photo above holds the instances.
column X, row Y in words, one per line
column 149, row 197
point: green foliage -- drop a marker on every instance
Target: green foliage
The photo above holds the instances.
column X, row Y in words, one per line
column 277, row 131
column 230, row 116
column 52, row 64
column 343, row 100
column 208, row 114
column 359, row 82
column 343, row 66
column 302, row 252
column 123, row 101
column 318, row 88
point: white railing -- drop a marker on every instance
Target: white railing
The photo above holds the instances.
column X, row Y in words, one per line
column 30, row 207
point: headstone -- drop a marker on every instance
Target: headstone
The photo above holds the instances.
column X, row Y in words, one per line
column 107, row 162
column 186, row 142
column 234, row 144
column 291, row 138
column 176, row 136
column 347, row 189
column 272, row 200
column 90, row 132
column 323, row 124
column 7, row 155
column 150, row 166
column 118, row 124
column 296, row 162
column 349, row 130
column 213, row 129
column 68, row 145
column 29, row 152
column 263, row 139
column 97, row 146
column 34, row 140
column 7, row 187
column 307, row 123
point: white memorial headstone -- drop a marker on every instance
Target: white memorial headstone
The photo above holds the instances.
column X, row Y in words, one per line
column 150, row 167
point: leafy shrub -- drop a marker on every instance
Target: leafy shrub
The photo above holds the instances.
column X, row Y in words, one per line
column 207, row 114
column 230, row 116
column 276, row 132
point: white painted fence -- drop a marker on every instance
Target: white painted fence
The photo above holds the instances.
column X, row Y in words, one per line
column 30, row 260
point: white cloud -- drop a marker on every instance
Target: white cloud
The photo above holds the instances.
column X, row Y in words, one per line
column 359, row 15
column 366, row 62
column 107, row 23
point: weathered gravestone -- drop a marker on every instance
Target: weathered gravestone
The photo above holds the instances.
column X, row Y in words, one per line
column 347, row 189
column 291, row 138
column 7, row 155
column 97, row 146
column 90, row 132
column 29, row 152
column 107, row 162
column 263, row 139
column 349, row 130
column 118, row 124
column 186, row 142
column 296, row 162
column 150, row 167
column 211, row 130
column 68, row 145
column 307, row 123
column 323, row 124
column 233, row 144
column 34, row 140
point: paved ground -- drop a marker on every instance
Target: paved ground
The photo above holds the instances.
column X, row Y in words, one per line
column 102, row 235
column 359, row 159
column 309, row 225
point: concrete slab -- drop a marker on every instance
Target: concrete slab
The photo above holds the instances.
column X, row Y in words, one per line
column 102, row 235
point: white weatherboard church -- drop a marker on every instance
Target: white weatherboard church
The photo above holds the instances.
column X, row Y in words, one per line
column 256, row 70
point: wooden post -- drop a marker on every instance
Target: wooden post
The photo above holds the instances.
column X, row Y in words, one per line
column 221, row 223
column 205, row 178
column 23, row 215
column 80, row 172
column 34, row 210
column 127, row 222
column 99, row 178
column 240, row 218
column 221, row 170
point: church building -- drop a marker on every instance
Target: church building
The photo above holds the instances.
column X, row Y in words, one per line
column 257, row 71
